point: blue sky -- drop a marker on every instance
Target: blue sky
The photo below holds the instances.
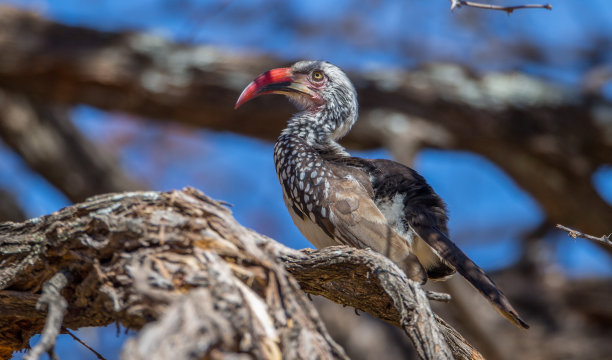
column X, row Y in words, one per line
column 488, row 210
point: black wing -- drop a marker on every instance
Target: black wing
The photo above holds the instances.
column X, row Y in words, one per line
column 425, row 213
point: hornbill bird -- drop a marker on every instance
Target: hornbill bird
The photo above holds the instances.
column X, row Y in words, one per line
column 336, row 199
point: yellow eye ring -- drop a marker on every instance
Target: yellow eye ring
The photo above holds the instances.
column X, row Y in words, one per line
column 317, row 76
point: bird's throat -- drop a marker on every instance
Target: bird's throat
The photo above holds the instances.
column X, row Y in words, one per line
column 319, row 128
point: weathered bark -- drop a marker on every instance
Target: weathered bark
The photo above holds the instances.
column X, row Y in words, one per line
column 179, row 267
column 51, row 145
column 338, row 273
column 548, row 138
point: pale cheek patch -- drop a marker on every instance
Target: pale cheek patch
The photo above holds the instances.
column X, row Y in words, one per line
column 302, row 102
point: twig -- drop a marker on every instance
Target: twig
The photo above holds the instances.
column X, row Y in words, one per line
column 56, row 305
column 438, row 296
column 605, row 239
column 507, row 9
column 98, row 355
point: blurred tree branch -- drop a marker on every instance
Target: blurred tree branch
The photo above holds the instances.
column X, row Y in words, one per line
column 177, row 266
column 9, row 209
column 525, row 125
column 51, row 145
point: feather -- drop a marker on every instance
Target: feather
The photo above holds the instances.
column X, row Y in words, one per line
column 358, row 222
column 444, row 247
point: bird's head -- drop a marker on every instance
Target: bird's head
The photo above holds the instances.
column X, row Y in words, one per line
column 322, row 90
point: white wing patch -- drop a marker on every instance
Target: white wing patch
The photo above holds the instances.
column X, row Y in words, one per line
column 393, row 210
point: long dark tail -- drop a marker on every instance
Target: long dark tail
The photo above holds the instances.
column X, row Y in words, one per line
column 447, row 250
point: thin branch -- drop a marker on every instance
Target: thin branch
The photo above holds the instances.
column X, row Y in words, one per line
column 605, row 239
column 56, row 305
column 98, row 355
column 507, row 9
column 438, row 296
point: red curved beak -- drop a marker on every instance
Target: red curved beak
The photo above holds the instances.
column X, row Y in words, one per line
column 275, row 81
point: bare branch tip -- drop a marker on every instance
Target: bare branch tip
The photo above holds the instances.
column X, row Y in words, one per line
column 507, row 9
column 455, row 4
column 97, row 354
column 438, row 296
column 605, row 239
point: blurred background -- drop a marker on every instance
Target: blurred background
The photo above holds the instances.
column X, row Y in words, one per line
column 509, row 117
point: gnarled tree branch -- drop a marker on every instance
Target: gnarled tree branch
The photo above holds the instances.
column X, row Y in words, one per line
column 178, row 266
column 369, row 282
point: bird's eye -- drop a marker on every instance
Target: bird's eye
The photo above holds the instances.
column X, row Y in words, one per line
column 317, row 76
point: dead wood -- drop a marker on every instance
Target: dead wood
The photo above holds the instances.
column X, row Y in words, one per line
column 363, row 279
column 177, row 266
column 52, row 301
